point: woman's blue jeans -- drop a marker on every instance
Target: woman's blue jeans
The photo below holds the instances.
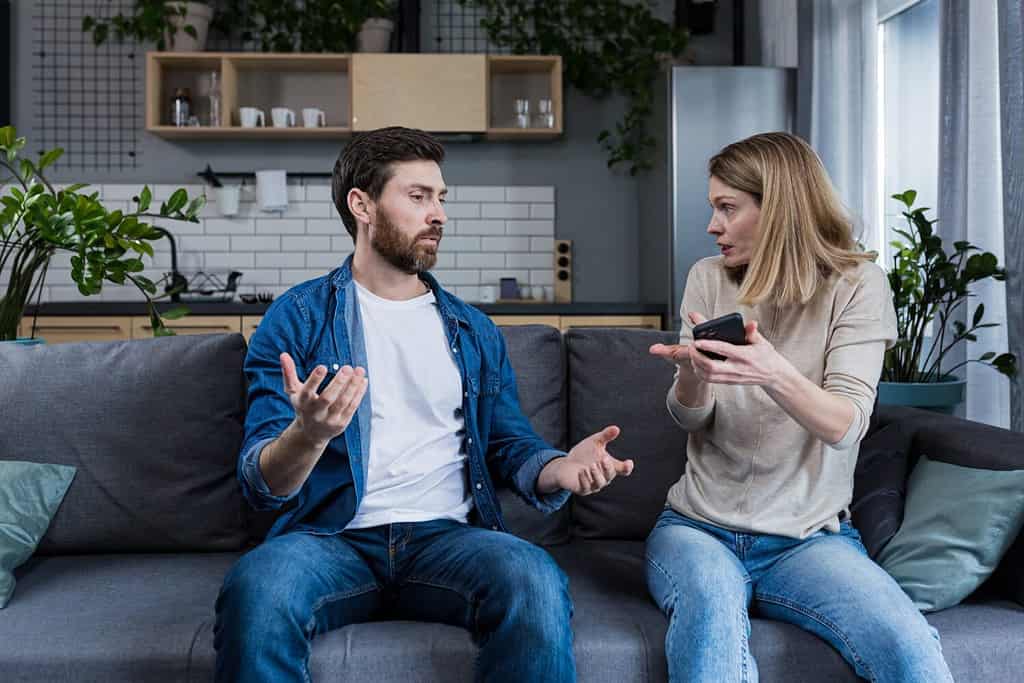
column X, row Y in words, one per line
column 705, row 577
column 507, row 592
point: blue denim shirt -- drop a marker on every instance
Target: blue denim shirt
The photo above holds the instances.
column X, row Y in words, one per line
column 317, row 322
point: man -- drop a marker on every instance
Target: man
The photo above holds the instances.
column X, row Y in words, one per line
column 388, row 451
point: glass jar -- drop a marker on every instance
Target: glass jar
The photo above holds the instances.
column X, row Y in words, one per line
column 181, row 107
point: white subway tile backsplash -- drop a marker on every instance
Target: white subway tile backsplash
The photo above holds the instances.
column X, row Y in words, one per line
column 462, row 210
column 470, row 260
column 256, row 243
column 542, row 210
column 527, row 261
column 530, row 227
column 281, row 226
column 305, row 243
column 505, row 244
column 530, row 194
column 492, row 232
column 505, row 210
column 483, row 227
column 228, row 226
column 278, row 260
column 479, row 193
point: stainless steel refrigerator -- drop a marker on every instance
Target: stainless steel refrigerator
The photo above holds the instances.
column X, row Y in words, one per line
column 698, row 110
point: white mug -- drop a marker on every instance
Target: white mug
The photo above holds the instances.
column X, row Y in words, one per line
column 313, row 117
column 282, row 117
column 227, row 200
column 488, row 294
column 249, row 116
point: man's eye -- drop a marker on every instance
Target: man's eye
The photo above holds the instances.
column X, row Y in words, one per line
column 417, row 197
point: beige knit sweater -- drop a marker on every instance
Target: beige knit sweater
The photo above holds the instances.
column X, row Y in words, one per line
column 752, row 467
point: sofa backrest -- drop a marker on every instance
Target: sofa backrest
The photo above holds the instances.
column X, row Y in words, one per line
column 154, row 428
column 613, row 379
column 538, row 358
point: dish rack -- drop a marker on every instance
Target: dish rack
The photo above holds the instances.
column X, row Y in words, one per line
column 206, row 287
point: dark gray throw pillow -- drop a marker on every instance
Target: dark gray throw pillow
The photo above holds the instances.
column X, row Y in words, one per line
column 153, row 427
column 880, row 485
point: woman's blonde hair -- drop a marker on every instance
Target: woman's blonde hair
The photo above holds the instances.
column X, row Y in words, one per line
column 805, row 234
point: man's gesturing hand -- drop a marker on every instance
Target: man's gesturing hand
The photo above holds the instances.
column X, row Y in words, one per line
column 587, row 469
column 321, row 417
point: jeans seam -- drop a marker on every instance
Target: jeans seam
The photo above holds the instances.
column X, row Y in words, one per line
column 468, row 597
column 824, row 621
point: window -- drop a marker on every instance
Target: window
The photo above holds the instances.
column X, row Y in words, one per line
column 908, row 138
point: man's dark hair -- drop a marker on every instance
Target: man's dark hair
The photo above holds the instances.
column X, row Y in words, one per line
column 366, row 163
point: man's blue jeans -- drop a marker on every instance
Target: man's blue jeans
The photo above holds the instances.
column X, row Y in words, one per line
column 705, row 577
column 506, row 591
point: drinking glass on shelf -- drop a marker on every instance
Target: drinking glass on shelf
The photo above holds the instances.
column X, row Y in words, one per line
column 522, row 108
column 209, row 89
column 545, row 116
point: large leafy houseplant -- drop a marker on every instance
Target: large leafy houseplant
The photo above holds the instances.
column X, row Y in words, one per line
column 930, row 285
column 310, row 26
column 37, row 221
column 154, row 21
column 607, row 46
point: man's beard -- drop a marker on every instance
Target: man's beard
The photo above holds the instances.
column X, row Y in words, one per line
column 407, row 255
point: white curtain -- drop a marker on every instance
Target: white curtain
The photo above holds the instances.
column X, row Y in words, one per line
column 837, row 101
column 976, row 131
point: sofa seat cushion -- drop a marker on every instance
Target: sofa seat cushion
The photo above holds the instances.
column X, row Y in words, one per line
column 108, row 617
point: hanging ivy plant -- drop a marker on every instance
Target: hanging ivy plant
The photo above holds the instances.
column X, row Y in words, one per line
column 607, row 46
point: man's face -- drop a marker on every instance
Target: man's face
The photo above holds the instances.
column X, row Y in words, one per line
column 409, row 217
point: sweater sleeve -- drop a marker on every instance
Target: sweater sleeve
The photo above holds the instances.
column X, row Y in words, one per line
column 694, row 301
column 861, row 331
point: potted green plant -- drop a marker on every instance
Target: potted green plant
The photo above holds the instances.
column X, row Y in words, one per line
column 930, row 285
column 310, row 26
column 375, row 31
column 180, row 26
column 37, row 221
column 607, row 46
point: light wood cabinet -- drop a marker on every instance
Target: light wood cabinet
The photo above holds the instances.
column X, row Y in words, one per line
column 76, row 328
column 443, row 93
column 190, row 324
column 249, row 325
column 435, row 92
column 650, row 322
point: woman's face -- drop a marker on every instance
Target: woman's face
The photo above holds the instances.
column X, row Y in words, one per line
column 735, row 222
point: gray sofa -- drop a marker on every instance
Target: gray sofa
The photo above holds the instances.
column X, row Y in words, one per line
column 123, row 585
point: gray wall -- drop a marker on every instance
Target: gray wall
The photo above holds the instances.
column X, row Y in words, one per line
column 595, row 207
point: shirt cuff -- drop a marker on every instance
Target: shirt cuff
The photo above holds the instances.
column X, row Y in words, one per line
column 690, row 419
column 255, row 481
column 853, row 433
column 526, row 482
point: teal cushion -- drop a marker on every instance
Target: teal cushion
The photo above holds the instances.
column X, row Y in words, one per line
column 957, row 524
column 30, row 494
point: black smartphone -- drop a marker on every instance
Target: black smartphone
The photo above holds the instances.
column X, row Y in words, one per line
column 728, row 328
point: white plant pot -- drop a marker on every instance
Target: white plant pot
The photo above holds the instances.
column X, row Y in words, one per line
column 375, row 35
column 198, row 16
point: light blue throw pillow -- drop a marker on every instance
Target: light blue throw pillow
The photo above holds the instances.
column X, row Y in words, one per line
column 30, row 494
column 957, row 524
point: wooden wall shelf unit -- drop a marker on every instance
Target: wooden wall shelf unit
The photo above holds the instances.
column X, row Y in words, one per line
column 441, row 93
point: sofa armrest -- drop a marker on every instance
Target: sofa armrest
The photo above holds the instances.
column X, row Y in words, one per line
column 962, row 442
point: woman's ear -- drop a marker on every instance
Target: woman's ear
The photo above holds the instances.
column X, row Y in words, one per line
column 359, row 205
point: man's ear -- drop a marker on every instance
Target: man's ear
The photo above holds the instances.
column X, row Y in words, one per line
column 359, row 205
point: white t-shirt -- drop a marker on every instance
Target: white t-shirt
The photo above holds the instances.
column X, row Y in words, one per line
column 416, row 470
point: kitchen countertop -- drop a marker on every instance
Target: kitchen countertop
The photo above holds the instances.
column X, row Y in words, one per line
column 239, row 308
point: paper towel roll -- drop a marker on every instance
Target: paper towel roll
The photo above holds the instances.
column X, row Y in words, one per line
column 272, row 190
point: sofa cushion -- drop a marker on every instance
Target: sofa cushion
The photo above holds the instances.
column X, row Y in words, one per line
column 154, row 427
column 538, row 358
column 109, row 617
column 880, row 485
column 613, row 379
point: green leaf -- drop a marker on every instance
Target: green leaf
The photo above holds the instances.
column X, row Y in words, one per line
column 49, row 157
column 144, row 199
column 1006, row 363
column 177, row 200
column 987, row 355
column 175, row 313
column 978, row 313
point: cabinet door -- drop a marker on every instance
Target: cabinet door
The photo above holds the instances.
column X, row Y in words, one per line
column 190, row 324
column 249, row 325
column 651, row 322
column 552, row 320
column 59, row 329
column 439, row 93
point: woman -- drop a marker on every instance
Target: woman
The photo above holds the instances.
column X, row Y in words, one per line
column 761, row 515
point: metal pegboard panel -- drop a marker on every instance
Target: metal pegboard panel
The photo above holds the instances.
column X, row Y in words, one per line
column 86, row 99
column 456, row 28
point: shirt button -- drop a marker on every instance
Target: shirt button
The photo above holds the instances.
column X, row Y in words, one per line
column 455, row 349
column 479, row 486
column 335, row 367
column 494, row 527
column 469, row 441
